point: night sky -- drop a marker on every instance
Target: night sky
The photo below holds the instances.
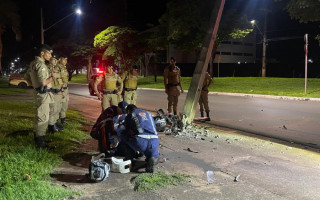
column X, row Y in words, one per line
column 99, row 14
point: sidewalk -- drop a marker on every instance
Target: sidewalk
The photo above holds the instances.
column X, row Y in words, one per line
column 266, row 169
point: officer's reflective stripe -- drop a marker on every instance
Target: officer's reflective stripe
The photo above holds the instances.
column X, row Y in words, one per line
column 136, row 120
column 148, row 136
column 152, row 122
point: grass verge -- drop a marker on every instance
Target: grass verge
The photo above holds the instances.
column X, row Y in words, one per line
column 248, row 85
column 146, row 182
column 79, row 78
column 5, row 89
column 25, row 170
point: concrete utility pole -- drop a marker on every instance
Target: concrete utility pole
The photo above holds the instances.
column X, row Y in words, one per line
column 196, row 84
column 264, row 48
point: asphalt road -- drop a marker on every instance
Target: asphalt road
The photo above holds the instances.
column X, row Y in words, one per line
column 289, row 120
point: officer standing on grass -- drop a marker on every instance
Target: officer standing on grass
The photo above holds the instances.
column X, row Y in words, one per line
column 64, row 89
column 130, row 82
column 112, row 88
column 55, row 107
column 40, row 77
column 203, row 100
column 172, row 83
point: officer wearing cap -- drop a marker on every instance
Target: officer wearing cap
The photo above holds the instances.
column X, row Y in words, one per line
column 64, row 89
column 172, row 84
column 130, row 82
column 112, row 86
column 41, row 79
column 56, row 88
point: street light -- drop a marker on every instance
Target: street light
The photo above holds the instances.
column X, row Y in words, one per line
column 264, row 45
column 77, row 11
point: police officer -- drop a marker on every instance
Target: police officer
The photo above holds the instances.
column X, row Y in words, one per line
column 139, row 137
column 112, row 88
column 64, row 89
column 130, row 81
column 55, row 107
column 203, row 100
column 172, row 83
column 40, row 77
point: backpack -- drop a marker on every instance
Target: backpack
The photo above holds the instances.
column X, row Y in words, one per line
column 98, row 168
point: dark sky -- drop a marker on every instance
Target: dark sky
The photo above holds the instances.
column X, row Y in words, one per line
column 99, row 14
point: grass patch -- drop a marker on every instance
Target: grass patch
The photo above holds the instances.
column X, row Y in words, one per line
column 146, row 182
column 21, row 160
column 79, row 78
column 248, row 85
column 5, row 89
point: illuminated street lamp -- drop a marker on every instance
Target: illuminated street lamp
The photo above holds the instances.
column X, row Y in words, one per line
column 264, row 45
column 77, row 11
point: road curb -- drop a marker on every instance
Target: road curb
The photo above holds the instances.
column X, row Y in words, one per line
column 252, row 95
column 243, row 95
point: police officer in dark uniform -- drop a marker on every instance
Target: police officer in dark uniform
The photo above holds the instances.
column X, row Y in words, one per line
column 140, row 137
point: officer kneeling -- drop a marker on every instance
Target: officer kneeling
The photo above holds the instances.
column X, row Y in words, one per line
column 140, row 137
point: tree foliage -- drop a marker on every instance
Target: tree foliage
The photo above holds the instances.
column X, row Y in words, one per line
column 184, row 24
column 304, row 11
column 120, row 44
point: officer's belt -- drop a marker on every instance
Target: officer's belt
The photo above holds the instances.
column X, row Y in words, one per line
column 203, row 89
column 171, row 84
column 148, row 136
column 55, row 90
column 65, row 88
column 129, row 89
column 42, row 90
column 110, row 92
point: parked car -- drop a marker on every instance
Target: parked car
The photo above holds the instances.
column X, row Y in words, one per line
column 18, row 80
column 90, row 84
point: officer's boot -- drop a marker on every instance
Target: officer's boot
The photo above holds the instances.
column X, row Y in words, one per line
column 208, row 117
column 151, row 162
column 41, row 144
column 63, row 121
column 52, row 128
column 201, row 113
column 59, row 126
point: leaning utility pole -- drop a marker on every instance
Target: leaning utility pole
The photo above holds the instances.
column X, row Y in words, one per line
column 196, row 84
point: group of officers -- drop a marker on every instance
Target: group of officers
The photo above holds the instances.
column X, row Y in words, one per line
column 122, row 129
column 49, row 78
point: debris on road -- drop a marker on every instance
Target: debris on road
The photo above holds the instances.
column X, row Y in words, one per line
column 236, row 179
column 210, row 177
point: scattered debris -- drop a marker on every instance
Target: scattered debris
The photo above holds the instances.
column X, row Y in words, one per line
column 64, row 185
column 188, row 149
column 236, row 179
column 28, row 177
column 284, row 127
column 210, row 177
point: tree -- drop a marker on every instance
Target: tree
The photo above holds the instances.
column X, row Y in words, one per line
column 8, row 17
column 184, row 25
column 121, row 44
column 85, row 51
column 305, row 11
